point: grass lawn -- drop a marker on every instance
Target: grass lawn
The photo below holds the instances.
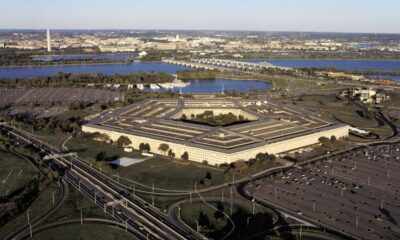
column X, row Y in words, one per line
column 328, row 105
column 279, row 83
column 162, row 171
column 15, row 172
column 84, row 232
column 393, row 102
column 257, row 223
column 190, row 214
column 76, row 203
column 43, row 201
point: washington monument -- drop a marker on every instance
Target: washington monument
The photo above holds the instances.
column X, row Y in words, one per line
column 48, row 41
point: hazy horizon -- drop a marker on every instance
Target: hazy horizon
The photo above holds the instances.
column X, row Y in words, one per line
column 341, row 16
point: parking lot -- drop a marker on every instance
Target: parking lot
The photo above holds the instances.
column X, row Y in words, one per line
column 65, row 95
column 355, row 193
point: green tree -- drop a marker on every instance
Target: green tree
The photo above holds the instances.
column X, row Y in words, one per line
column 171, row 153
column 208, row 175
column 123, row 141
column 203, row 219
column 219, row 212
column 101, row 156
column 185, row 156
column 163, row 147
column 142, row 146
column 147, row 147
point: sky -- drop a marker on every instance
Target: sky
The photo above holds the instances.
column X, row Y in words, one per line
column 375, row 16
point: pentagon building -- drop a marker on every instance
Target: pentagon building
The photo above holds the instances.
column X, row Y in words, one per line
column 270, row 128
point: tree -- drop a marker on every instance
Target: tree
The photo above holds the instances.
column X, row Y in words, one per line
column 98, row 136
column 101, row 156
column 147, row 147
column 325, row 142
column 262, row 157
column 185, row 156
column 163, row 147
column 219, row 212
column 142, row 146
column 234, row 93
column 123, row 141
column 203, row 219
column 208, row 175
column 171, row 153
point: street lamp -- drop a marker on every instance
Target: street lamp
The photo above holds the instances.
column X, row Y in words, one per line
column 253, row 203
column 27, row 213
column 53, row 196
column 248, row 220
column 197, row 225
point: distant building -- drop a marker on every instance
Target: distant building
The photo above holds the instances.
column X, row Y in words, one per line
column 369, row 95
column 142, row 54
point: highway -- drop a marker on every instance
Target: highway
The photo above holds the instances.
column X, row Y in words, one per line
column 115, row 199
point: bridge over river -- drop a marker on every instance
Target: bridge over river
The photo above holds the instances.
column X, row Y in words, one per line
column 211, row 64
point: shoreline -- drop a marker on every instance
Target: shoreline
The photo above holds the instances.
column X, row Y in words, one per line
column 75, row 64
column 318, row 59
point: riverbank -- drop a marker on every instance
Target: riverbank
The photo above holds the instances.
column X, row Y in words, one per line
column 66, row 64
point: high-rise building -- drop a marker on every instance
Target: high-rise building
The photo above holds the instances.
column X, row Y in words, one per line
column 48, row 41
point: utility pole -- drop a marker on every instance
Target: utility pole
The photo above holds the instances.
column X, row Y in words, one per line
column 153, row 195
column 30, row 230
column 53, row 196
column 301, row 228
column 27, row 213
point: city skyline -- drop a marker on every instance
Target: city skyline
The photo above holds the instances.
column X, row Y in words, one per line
column 358, row 16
